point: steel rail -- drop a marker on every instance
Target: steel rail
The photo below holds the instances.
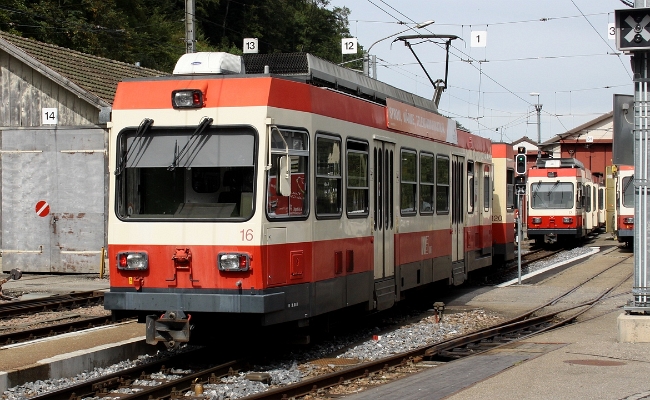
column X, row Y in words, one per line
column 58, row 302
column 57, row 329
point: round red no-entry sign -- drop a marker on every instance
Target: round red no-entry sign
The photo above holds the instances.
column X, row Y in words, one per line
column 42, row 208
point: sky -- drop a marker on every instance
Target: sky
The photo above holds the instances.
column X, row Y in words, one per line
column 557, row 48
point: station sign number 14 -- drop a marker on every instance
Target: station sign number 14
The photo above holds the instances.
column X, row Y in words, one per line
column 50, row 116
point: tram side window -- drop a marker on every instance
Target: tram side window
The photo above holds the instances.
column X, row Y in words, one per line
column 579, row 196
column 294, row 143
column 442, row 184
column 470, row 187
column 511, row 197
column 486, row 190
column 594, row 199
column 358, row 190
column 587, row 191
column 427, row 182
column 408, row 184
column 601, row 199
column 328, row 176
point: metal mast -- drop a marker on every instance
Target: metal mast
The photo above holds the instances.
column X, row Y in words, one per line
column 189, row 27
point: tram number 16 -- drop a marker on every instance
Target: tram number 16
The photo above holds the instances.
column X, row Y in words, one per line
column 246, row 235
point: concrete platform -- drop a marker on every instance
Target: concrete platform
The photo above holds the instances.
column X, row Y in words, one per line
column 70, row 354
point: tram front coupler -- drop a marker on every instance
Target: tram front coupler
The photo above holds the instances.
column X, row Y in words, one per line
column 172, row 328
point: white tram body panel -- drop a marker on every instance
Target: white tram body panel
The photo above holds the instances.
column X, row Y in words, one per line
column 265, row 199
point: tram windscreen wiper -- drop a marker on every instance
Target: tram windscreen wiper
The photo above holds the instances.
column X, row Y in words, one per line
column 139, row 133
column 553, row 188
column 627, row 184
column 205, row 122
column 539, row 186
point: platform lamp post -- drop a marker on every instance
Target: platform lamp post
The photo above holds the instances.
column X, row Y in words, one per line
column 538, row 108
column 366, row 53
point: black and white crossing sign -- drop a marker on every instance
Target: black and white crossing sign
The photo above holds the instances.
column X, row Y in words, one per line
column 632, row 29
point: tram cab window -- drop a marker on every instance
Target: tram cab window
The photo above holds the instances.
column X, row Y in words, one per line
column 293, row 144
column 628, row 191
column 442, row 184
column 328, row 176
column 408, row 182
column 358, row 190
column 427, row 182
column 551, row 195
column 175, row 173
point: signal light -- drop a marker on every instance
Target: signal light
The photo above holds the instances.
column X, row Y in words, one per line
column 520, row 164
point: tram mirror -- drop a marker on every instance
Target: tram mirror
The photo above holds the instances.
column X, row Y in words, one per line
column 284, row 177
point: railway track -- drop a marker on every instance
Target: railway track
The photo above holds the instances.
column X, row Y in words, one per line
column 156, row 381
column 61, row 321
column 53, row 303
column 52, row 329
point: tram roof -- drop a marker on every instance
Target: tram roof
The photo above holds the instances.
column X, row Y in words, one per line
column 316, row 71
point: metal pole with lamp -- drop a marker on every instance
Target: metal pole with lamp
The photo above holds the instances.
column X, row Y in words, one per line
column 538, row 108
column 366, row 53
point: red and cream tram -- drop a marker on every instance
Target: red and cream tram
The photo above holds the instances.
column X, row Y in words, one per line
column 625, row 204
column 505, row 199
column 278, row 188
column 559, row 200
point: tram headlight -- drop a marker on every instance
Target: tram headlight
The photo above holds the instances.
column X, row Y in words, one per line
column 233, row 262
column 132, row 261
column 192, row 98
column 537, row 220
column 567, row 220
column 629, row 220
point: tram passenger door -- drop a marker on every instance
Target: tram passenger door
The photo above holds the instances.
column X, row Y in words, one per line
column 383, row 223
column 458, row 219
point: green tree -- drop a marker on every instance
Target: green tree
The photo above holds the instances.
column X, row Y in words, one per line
column 152, row 32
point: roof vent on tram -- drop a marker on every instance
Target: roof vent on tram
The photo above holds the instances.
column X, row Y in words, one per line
column 209, row 63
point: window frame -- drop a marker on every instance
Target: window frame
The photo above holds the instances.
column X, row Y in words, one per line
column 365, row 143
column 447, row 185
column 326, row 136
column 431, row 185
column 413, row 184
column 292, row 153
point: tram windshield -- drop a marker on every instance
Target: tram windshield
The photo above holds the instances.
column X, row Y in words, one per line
column 628, row 191
column 185, row 173
column 552, row 195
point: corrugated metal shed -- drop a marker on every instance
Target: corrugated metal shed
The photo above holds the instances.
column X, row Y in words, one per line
column 62, row 165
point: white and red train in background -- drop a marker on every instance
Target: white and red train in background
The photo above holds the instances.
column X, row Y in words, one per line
column 625, row 191
column 564, row 201
column 243, row 198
